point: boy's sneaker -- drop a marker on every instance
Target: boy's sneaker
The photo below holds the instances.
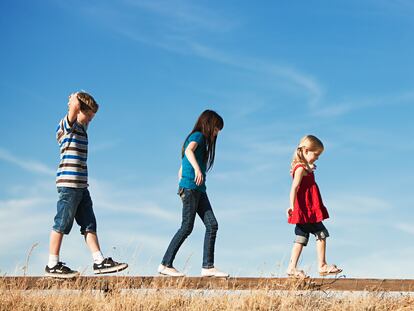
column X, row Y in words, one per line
column 109, row 266
column 214, row 272
column 164, row 270
column 60, row 271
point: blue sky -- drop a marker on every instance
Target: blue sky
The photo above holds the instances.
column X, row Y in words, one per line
column 275, row 71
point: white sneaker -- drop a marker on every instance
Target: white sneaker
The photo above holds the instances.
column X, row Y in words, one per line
column 164, row 270
column 214, row 272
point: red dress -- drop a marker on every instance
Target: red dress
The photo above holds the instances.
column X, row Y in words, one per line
column 308, row 206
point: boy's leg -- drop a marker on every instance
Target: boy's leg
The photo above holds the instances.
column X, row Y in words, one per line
column 66, row 209
column 85, row 217
column 55, row 242
column 91, row 239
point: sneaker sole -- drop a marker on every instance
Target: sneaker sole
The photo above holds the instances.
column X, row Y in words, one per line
column 166, row 274
column 215, row 276
column 111, row 269
column 62, row 276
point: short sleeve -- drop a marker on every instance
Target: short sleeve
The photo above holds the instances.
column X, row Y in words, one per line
column 197, row 137
column 63, row 128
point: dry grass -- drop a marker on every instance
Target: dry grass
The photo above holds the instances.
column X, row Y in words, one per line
column 176, row 299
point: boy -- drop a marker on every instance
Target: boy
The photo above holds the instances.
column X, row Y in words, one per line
column 72, row 185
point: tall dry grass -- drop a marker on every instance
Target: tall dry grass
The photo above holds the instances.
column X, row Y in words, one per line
column 167, row 299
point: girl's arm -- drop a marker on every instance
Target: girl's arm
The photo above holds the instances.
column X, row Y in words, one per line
column 297, row 178
column 189, row 152
column 180, row 173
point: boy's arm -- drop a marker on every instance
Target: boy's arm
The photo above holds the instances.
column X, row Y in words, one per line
column 297, row 178
column 189, row 152
column 74, row 108
column 67, row 122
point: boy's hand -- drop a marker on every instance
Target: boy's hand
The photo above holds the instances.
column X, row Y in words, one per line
column 74, row 103
column 289, row 212
column 74, row 108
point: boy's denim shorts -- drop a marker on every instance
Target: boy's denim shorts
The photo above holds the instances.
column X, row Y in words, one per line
column 74, row 203
column 302, row 232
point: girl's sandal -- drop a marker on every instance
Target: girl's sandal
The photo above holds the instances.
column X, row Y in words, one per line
column 329, row 270
column 297, row 274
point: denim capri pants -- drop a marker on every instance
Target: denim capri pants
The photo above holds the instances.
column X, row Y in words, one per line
column 302, row 232
column 74, row 204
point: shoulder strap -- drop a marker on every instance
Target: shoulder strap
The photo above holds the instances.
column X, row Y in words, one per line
column 296, row 167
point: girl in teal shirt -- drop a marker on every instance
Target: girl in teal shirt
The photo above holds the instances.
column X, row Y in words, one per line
column 198, row 153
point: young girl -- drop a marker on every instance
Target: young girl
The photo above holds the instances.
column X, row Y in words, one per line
column 306, row 207
column 197, row 154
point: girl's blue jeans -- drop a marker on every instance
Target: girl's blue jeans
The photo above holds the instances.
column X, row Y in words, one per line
column 194, row 202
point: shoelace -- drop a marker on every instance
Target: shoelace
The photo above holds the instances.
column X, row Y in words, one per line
column 63, row 266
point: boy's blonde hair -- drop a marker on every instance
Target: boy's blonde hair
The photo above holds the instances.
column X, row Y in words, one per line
column 310, row 142
column 87, row 102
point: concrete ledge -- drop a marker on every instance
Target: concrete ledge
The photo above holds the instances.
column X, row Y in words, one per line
column 107, row 283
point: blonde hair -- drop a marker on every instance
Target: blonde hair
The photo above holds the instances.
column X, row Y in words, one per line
column 310, row 142
column 87, row 102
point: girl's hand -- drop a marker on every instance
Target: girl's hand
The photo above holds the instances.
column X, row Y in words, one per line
column 180, row 173
column 198, row 177
column 289, row 212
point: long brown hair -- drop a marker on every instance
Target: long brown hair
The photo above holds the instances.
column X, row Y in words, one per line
column 206, row 123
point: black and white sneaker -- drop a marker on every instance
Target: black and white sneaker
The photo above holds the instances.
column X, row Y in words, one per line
column 60, row 271
column 109, row 266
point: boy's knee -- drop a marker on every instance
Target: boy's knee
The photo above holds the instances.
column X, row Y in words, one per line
column 64, row 226
column 63, row 221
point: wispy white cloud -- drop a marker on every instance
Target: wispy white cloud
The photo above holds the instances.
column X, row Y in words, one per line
column 103, row 197
column 129, row 201
column 26, row 164
column 385, row 263
column 180, row 26
column 296, row 77
column 368, row 102
column 357, row 203
column 142, row 208
column 399, row 7
column 20, row 204
column 185, row 15
column 103, row 146
column 405, row 227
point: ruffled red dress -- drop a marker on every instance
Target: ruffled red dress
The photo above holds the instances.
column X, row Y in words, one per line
column 308, row 205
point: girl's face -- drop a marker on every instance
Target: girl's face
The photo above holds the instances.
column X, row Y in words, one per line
column 312, row 156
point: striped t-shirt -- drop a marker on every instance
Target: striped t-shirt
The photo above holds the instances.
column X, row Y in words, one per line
column 73, row 141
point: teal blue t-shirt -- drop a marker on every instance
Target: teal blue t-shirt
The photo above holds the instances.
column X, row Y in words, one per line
column 188, row 174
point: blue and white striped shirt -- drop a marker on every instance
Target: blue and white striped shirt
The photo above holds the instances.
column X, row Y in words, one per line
column 73, row 142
